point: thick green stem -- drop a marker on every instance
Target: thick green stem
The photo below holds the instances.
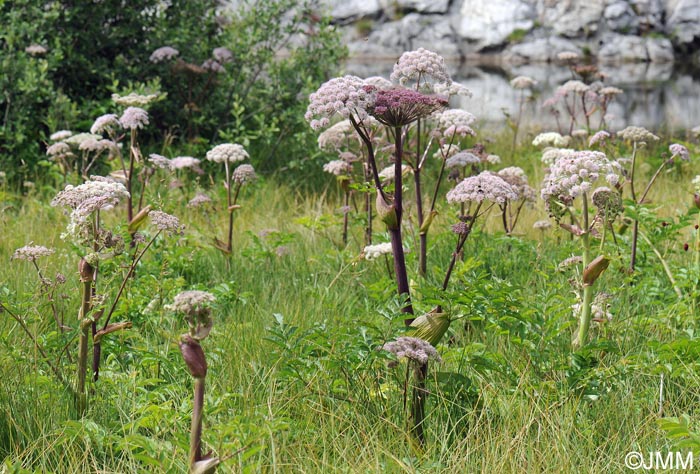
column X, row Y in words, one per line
column 196, row 427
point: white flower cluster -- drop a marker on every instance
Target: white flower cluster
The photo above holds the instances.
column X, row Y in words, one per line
column 452, row 89
column 371, row 252
column 412, row 348
column 31, row 252
column 696, row 183
column 134, row 99
column 36, row 50
column 336, row 136
column 517, row 178
column 105, row 123
column 338, row 167
column 184, row 162
column 194, row 303
column 379, row 82
column 227, row 152
column 59, row 150
column 389, row 173
column 99, row 193
column 462, row 159
column 344, row 96
column 199, row 200
column 542, row 225
column 60, row 135
column 159, row 161
column 452, row 122
column 550, row 155
column 567, row 56
column 610, row 91
column 133, row 118
column 78, row 139
column 420, row 66
column 637, row 134
column 550, row 139
column 446, row 150
column 571, row 175
column 485, row 186
column 213, row 66
column 99, row 146
column 522, row 82
column 573, row 86
column 164, row 53
column 244, row 174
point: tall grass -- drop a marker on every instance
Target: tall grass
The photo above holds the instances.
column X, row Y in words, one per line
column 322, row 400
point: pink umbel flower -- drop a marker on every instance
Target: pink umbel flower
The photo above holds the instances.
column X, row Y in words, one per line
column 413, row 349
column 166, row 53
column 679, row 150
column 133, row 118
column 400, row 106
column 576, row 172
column 454, row 122
column 338, row 167
column 244, row 174
column 485, row 186
column 421, row 66
column 346, row 96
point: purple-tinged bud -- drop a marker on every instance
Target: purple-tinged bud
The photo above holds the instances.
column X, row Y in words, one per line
column 193, row 355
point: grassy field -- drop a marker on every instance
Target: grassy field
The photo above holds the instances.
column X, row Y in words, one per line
column 296, row 380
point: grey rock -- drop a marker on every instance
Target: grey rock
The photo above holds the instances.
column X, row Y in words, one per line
column 622, row 48
column 413, row 31
column 391, row 7
column 488, row 23
column 620, row 17
column 573, row 18
column 650, row 14
column 351, row 9
column 628, row 48
column 539, row 50
column 684, row 22
column 660, row 50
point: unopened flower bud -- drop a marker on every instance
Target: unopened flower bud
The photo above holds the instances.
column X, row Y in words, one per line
column 594, row 269
column 193, row 355
column 696, row 199
column 387, row 213
column 86, row 271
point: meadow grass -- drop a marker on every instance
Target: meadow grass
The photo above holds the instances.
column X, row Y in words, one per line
column 308, row 391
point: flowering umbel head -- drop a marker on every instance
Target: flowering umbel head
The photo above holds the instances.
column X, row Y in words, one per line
column 195, row 305
column 346, row 96
column 398, row 107
column 423, row 67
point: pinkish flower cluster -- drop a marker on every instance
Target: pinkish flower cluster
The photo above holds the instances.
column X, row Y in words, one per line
column 338, row 167
column 31, row 252
column 133, row 118
column 105, row 123
column 485, row 186
column 576, row 173
column 599, row 137
column 400, row 106
column 452, row 122
column 346, row 96
column 227, row 152
column 522, row 82
column 164, row 53
column 222, row 55
column 336, row 136
column 637, row 134
column 412, row 348
column 517, row 178
column 166, row 222
column 244, row 174
column 462, row 159
column 422, row 67
column 679, row 150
